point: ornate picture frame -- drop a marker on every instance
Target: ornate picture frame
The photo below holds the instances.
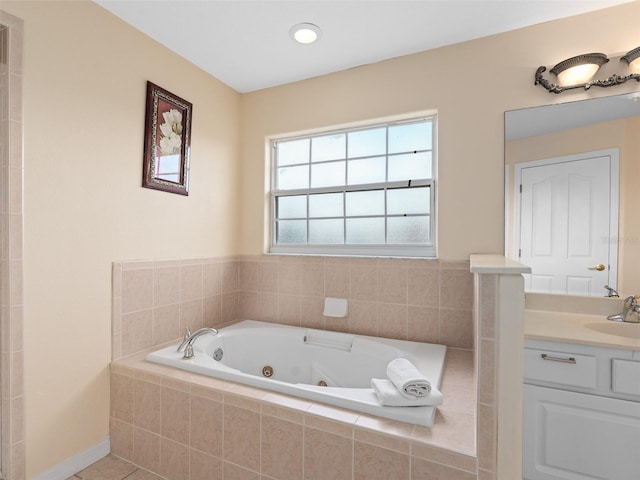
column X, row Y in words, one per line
column 167, row 141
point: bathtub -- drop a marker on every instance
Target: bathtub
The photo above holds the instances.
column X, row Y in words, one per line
column 330, row 367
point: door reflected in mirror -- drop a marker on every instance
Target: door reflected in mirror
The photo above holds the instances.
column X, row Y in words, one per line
column 571, row 203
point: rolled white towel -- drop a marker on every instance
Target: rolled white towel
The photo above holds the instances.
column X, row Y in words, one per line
column 389, row 396
column 407, row 379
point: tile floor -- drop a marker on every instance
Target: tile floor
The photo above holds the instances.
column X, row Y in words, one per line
column 113, row 468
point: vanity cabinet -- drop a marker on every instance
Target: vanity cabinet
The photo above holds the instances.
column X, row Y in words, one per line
column 581, row 412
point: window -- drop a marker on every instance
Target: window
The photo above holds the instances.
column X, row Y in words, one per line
column 362, row 191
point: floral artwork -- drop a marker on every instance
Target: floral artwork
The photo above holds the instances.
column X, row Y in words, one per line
column 171, row 132
column 167, row 141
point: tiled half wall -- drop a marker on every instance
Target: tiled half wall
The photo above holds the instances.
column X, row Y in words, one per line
column 423, row 300
column 409, row 299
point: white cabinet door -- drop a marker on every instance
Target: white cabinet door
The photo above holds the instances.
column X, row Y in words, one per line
column 575, row 436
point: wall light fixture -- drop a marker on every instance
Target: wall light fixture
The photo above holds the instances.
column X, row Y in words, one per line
column 577, row 72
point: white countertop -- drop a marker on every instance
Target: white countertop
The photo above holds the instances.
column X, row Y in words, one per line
column 490, row 263
column 575, row 328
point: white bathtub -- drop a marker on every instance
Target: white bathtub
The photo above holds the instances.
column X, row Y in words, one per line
column 301, row 358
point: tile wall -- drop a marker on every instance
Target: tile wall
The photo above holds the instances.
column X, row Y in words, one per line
column 154, row 301
column 248, row 433
column 11, row 260
column 409, row 299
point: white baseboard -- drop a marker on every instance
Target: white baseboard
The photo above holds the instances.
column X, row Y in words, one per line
column 73, row 465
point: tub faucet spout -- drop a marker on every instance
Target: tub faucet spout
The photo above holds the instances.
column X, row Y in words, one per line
column 189, row 340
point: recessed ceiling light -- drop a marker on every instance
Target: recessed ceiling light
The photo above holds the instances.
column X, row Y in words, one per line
column 305, row 33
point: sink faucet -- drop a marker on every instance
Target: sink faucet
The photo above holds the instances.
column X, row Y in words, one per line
column 190, row 338
column 630, row 311
column 611, row 292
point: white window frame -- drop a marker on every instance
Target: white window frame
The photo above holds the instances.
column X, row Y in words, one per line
column 385, row 250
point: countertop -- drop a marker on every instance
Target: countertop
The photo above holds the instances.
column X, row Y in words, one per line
column 579, row 328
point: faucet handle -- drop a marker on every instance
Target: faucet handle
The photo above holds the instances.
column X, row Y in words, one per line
column 187, row 333
column 188, row 352
column 611, row 292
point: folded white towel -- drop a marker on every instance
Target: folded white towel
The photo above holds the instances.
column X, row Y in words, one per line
column 406, row 377
column 388, row 395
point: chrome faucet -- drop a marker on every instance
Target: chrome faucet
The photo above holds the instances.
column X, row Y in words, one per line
column 630, row 311
column 611, row 292
column 190, row 338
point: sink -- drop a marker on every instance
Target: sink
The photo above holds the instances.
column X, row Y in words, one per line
column 621, row 329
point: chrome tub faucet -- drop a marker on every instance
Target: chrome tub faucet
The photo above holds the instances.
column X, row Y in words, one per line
column 190, row 338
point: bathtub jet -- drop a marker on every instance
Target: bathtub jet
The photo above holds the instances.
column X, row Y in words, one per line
column 323, row 366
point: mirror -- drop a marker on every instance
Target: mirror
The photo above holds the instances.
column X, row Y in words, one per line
column 576, row 221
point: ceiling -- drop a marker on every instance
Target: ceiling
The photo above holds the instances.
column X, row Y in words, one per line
column 246, row 43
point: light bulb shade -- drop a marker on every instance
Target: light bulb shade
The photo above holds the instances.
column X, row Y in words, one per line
column 305, row 33
column 632, row 57
column 580, row 69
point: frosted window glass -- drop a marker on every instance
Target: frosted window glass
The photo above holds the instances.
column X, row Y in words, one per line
column 292, row 152
column 408, row 230
column 371, row 170
column 365, row 230
column 326, row 205
column 326, row 231
column 327, row 174
column 291, row 231
column 291, row 207
column 365, row 203
column 410, row 137
column 293, row 177
column 365, row 143
column 330, row 147
column 403, row 201
column 410, row 166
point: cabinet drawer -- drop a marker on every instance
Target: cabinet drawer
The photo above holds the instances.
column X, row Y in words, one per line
column 625, row 376
column 564, row 368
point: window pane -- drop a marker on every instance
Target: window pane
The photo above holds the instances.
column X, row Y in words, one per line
column 292, row 152
column 365, row 143
column 371, row 170
column 326, row 231
column 403, row 201
column 291, row 207
column 330, row 147
column 293, row 177
column 410, row 137
column 408, row 230
column 327, row 174
column 365, row 230
column 326, row 205
column 291, row 231
column 410, row 166
column 365, row 203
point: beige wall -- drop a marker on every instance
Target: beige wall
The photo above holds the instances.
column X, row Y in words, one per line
column 84, row 85
column 621, row 134
column 470, row 84
column 84, row 100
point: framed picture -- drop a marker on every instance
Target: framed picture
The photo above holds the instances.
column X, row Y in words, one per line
column 167, row 140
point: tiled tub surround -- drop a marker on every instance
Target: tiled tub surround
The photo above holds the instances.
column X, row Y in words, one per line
column 182, row 425
column 435, row 305
column 408, row 299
